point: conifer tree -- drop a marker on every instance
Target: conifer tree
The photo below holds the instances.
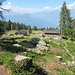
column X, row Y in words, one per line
column 29, row 29
column 65, row 20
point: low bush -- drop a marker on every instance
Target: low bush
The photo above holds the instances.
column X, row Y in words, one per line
column 64, row 37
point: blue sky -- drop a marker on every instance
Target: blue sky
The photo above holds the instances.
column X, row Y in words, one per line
column 32, row 6
column 38, row 3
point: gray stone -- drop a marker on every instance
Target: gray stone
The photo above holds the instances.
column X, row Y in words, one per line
column 42, row 47
column 25, row 62
column 42, row 42
column 58, row 58
column 21, row 58
column 35, row 40
column 69, row 63
column 73, row 63
column 17, row 45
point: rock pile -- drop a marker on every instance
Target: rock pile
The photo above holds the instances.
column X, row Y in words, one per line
column 69, row 63
column 42, row 45
column 35, row 40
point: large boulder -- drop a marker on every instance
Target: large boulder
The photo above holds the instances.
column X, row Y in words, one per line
column 19, row 58
column 27, row 44
column 25, row 62
column 42, row 42
column 42, row 47
column 35, row 40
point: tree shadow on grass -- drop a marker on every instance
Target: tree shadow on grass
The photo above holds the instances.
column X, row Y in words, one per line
column 30, row 44
column 39, row 70
column 8, row 44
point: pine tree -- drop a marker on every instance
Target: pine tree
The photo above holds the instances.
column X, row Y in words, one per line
column 29, row 29
column 35, row 28
column 9, row 25
column 65, row 20
column 17, row 26
column 1, row 14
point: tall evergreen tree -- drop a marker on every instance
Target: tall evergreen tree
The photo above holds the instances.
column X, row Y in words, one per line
column 29, row 29
column 65, row 20
column 35, row 28
column 9, row 25
column 17, row 26
column 1, row 14
column 6, row 26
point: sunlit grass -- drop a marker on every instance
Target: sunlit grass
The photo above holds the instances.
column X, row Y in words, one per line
column 71, row 47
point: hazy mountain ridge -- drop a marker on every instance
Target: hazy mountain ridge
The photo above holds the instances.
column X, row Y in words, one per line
column 45, row 18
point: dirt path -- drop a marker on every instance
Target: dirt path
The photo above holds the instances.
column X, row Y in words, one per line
column 2, row 70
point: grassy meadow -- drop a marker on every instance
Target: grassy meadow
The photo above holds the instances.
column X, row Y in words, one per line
column 43, row 64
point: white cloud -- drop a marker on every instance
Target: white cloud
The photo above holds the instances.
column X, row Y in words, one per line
column 23, row 10
column 8, row 6
column 47, row 8
column 71, row 6
column 57, row 8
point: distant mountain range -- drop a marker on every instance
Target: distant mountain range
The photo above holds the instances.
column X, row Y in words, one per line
column 46, row 18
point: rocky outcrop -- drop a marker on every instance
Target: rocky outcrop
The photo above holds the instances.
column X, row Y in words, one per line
column 25, row 62
column 35, row 40
column 42, row 47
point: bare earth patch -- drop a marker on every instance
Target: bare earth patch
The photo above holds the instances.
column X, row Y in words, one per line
column 48, row 66
column 56, row 50
column 2, row 70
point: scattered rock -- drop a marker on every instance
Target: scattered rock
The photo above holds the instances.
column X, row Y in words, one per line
column 58, row 38
column 17, row 45
column 73, row 63
column 69, row 63
column 20, row 58
column 25, row 53
column 42, row 47
column 64, row 63
column 58, row 58
column 39, row 52
column 39, row 34
column 25, row 62
column 42, row 42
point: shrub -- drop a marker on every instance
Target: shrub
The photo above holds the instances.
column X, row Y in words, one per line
column 64, row 37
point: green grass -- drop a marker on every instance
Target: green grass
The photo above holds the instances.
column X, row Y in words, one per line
column 71, row 47
column 6, row 58
column 7, row 55
column 61, row 71
column 11, row 32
